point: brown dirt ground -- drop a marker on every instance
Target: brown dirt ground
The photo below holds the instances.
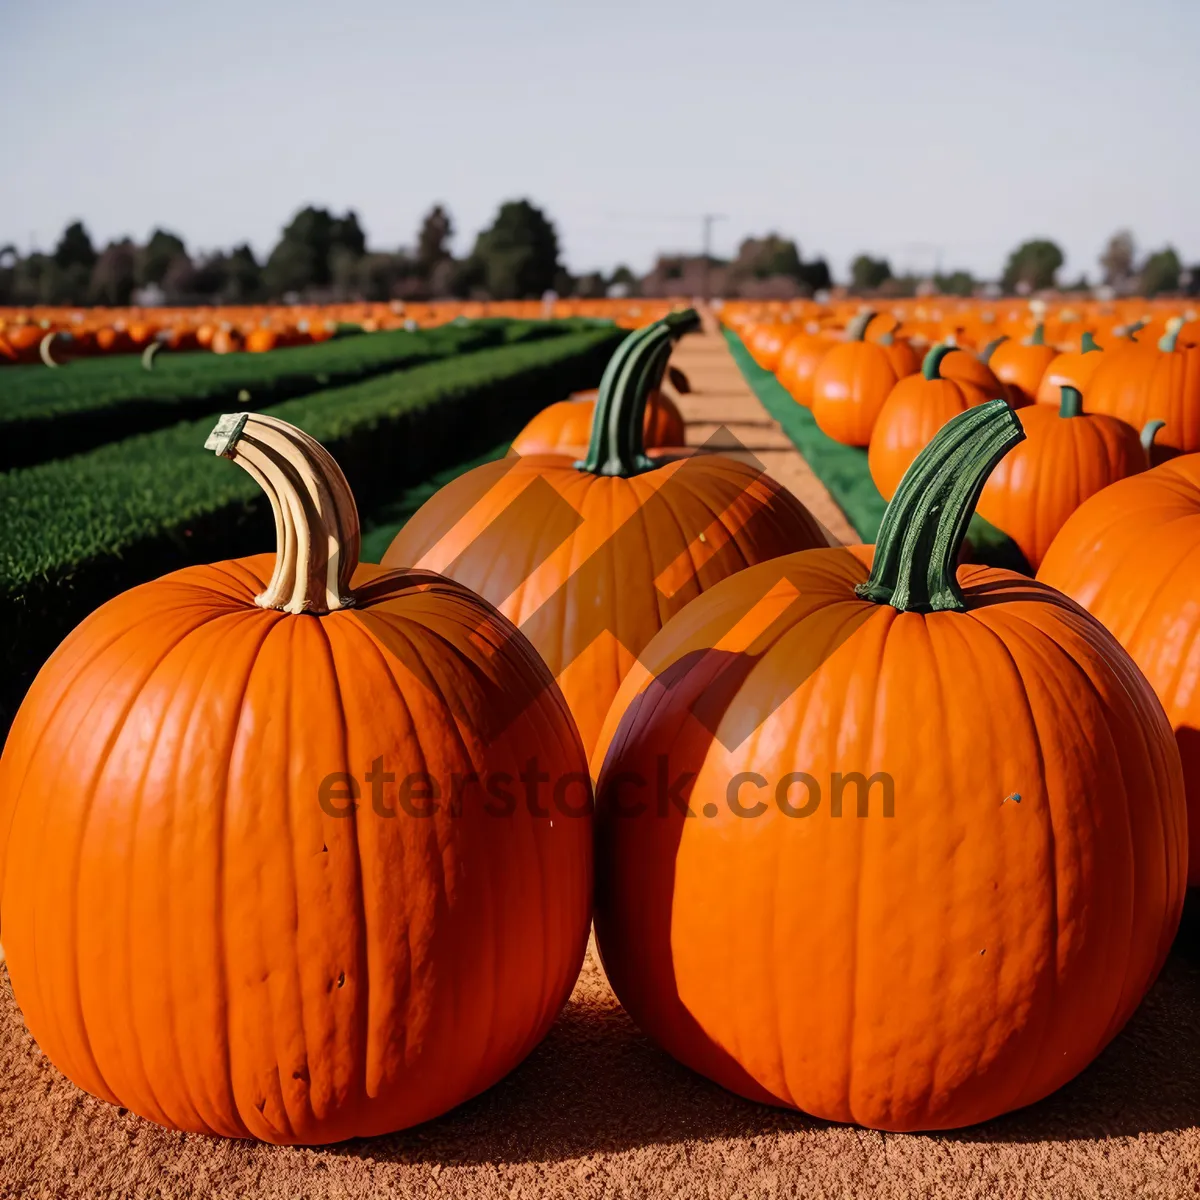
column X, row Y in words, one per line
column 598, row 1111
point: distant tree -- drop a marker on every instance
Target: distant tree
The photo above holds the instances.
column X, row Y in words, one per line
column 956, row 283
column 157, row 255
column 518, row 253
column 1160, row 272
column 75, row 248
column 867, row 273
column 346, row 234
column 115, row 274
column 767, row 257
column 623, row 278
column 815, row 275
column 433, row 240
column 592, row 286
column 1031, row 266
column 243, row 276
column 179, row 279
column 303, row 256
column 1118, row 262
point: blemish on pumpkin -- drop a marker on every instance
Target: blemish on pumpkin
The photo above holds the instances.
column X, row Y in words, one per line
column 261, row 1104
column 324, row 848
column 1014, row 796
column 341, row 979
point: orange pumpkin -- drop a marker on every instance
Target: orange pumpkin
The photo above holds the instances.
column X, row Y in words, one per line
column 870, row 841
column 253, row 878
column 1067, row 456
column 855, row 378
column 590, row 558
column 566, row 427
column 1072, row 368
column 1020, row 364
column 950, row 381
column 1131, row 556
column 799, row 361
column 1148, row 382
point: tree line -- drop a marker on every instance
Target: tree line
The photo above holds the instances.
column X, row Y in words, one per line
column 324, row 256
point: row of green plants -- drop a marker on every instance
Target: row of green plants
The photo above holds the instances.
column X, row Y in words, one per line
column 100, row 400
column 80, row 529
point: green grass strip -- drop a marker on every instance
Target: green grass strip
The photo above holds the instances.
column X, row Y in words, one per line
column 844, row 471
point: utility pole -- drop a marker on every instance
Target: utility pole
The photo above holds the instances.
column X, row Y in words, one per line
column 708, row 219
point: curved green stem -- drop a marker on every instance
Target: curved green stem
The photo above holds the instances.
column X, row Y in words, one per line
column 1149, row 433
column 1038, row 336
column 1167, row 342
column 916, row 553
column 1087, row 344
column 1071, row 403
column 986, row 354
column 931, row 367
column 856, row 331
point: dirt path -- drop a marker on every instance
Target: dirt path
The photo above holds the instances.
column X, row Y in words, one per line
column 722, row 398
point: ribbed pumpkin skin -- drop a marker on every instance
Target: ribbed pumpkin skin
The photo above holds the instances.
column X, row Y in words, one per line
column 1070, row 369
column 1064, row 460
column 191, row 936
column 852, row 383
column 931, row 970
column 1021, row 366
column 918, row 407
column 564, row 428
column 590, row 567
column 798, row 365
column 1143, row 383
column 1131, row 556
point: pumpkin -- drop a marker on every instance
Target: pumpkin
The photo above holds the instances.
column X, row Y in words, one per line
column 799, row 361
column 220, row 908
column 1131, row 556
column 1147, row 382
column 1073, row 368
column 855, row 378
column 899, row 845
column 1067, row 456
column 565, row 427
column 589, row 558
column 1020, row 364
column 950, row 381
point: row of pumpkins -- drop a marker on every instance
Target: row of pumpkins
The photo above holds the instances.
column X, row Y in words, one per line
column 56, row 335
column 300, row 848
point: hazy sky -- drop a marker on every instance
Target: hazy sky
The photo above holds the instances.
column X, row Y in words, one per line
column 893, row 126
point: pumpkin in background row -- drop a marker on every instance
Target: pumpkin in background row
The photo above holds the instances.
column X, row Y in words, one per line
column 1072, row 368
column 1020, row 364
column 1131, row 556
column 855, row 378
column 566, row 427
column 199, row 926
column 940, row 947
column 950, row 381
column 590, row 558
column 1153, row 382
column 1066, row 457
column 799, row 361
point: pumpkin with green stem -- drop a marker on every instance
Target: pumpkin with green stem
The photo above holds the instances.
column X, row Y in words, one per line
column 921, row 849
column 1066, row 457
column 855, row 378
column 589, row 558
column 950, row 381
column 1020, row 364
column 253, row 881
column 1072, row 368
column 1155, row 382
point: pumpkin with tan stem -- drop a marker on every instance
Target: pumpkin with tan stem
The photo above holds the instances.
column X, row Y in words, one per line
column 916, row 816
column 589, row 558
column 253, row 880
column 1072, row 368
column 855, row 378
column 1131, row 556
column 950, row 381
column 1020, row 364
column 1067, row 456
column 1148, row 382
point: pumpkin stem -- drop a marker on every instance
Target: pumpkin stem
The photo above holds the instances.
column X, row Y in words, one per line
column 1071, row 403
column 916, row 553
column 316, row 520
column 931, row 368
column 617, row 443
column 1087, row 344
column 1038, row 336
column 1166, row 343
column 1149, row 433
column 986, row 356
column 856, row 331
